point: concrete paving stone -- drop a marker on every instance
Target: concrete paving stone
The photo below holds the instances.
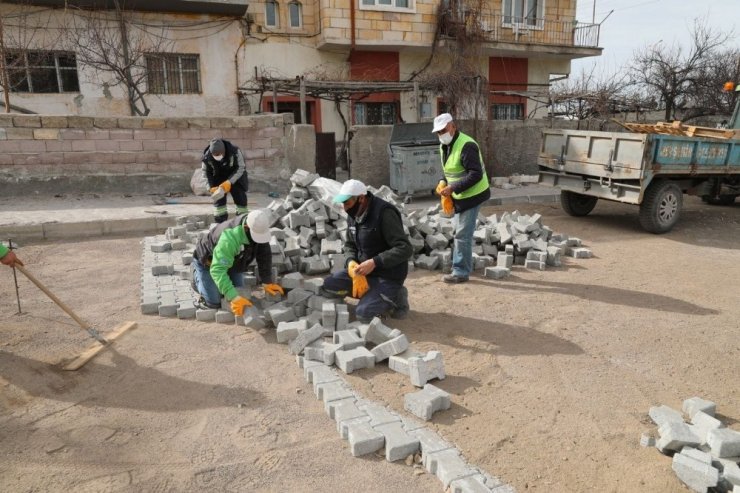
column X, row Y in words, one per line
column 724, row 442
column 379, row 415
column 398, row 443
column 280, row 313
column 430, row 441
column 354, row 359
column 554, row 255
column 329, row 316
column 345, row 424
column 694, row 473
column 163, row 269
column 428, row 367
column 537, row 256
column 342, row 317
column 390, row 348
column 426, row 262
column 426, row 402
column 287, row 331
column 703, row 423
column 292, row 280
column 695, row 404
column 344, row 410
column 664, row 414
column 313, row 285
column 647, row 440
column 400, row 362
column 377, row 332
column 534, row 265
column 348, row 339
column 162, row 246
column 186, row 310
column 306, row 337
column 332, row 391
column 363, row 439
column 321, row 379
column 505, row 260
column 675, row 436
column 729, row 470
column 470, row 484
column 496, row 272
column 580, row 253
column 224, row 317
column 448, row 466
column 318, row 370
column 150, row 306
column 167, row 309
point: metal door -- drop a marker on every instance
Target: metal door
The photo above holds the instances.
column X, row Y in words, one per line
column 326, row 155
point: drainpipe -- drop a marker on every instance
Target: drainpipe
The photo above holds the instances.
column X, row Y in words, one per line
column 351, row 26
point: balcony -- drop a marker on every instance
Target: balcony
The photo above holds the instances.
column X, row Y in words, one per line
column 498, row 32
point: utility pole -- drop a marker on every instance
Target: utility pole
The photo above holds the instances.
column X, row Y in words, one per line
column 593, row 15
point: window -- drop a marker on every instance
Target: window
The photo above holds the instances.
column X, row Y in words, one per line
column 172, row 73
column 294, row 12
column 272, row 19
column 42, row 71
column 524, row 12
column 514, row 111
column 375, row 113
column 385, row 4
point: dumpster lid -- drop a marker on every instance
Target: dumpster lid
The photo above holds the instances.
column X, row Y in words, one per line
column 413, row 133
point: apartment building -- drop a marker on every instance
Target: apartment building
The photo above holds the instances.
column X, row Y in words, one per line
column 214, row 57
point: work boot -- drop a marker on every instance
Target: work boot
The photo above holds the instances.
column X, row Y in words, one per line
column 454, row 279
column 201, row 304
column 402, row 304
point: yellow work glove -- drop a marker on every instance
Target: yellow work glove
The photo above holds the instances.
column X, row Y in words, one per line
column 226, row 186
column 238, row 305
column 440, row 186
column 359, row 282
column 351, row 266
column 447, row 206
column 274, row 289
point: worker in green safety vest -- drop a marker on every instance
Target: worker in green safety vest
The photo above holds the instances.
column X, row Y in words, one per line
column 466, row 183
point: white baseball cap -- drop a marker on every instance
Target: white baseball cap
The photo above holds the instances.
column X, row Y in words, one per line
column 258, row 222
column 350, row 188
column 441, row 121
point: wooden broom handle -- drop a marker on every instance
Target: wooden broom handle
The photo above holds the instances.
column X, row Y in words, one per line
column 52, row 296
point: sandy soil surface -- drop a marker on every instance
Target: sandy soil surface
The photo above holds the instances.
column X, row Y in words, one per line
column 551, row 373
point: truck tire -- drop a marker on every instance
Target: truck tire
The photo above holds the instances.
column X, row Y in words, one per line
column 661, row 207
column 721, row 200
column 576, row 204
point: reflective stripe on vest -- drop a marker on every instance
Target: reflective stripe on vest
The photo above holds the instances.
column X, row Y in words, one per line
column 454, row 170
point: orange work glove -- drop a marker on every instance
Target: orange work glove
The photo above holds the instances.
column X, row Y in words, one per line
column 238, row 305
column 213, row 190
column 447, row 206
column 226, row 186
column 359, row 282
column 440, row 186
column 274, row 289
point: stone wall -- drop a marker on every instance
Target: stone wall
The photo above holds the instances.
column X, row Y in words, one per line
column 508, row 148
column 53, row 154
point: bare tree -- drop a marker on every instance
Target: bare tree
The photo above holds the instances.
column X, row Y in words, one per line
column 671, row 72
column 706, row 96
column 22, row 28
column 110, row 44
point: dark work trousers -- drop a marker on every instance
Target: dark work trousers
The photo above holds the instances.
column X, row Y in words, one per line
column 239, row 196
column 372, row 304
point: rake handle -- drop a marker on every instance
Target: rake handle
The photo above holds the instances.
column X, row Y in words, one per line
column 51, row 295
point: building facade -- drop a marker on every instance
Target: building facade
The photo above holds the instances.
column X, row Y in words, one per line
column 222, row 58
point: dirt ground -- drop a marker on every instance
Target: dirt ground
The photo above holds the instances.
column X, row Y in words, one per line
column 551, row 373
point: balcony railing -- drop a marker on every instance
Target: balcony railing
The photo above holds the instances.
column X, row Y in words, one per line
column 528, row 30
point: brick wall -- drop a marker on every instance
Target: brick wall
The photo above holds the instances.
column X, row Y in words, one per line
column 148, row 155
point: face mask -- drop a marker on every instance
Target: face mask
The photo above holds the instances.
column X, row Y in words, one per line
column 352, row 211
column 445, row 138
column 218, row 158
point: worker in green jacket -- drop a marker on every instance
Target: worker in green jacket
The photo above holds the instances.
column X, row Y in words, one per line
column 8, row 257
column 222, row 256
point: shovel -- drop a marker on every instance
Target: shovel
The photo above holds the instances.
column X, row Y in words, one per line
column 94, row 333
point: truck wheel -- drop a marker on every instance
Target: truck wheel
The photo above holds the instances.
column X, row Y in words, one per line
column 661, row 207
column 576, row 204
column 721, row 200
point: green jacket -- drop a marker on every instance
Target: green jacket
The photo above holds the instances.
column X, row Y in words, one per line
column 3, row 250
column 226, row 248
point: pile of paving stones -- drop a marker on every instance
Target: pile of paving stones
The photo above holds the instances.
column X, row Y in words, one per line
column 705, row 452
